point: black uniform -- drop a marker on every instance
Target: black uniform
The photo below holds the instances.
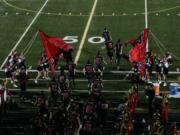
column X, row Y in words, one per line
column 99, row 63
column 165, row 66
column 23, row 77
column 8, row 72
column 109, row 47
column 106, row 35
column 118, row 48
column 68, row 56
column 148, row 65
column 41, row 103
column 71, row 69
column 45, row 63
column 62, row 80
column 159, row 66
column 54, row 89
column 89, row 71
column 40, row 66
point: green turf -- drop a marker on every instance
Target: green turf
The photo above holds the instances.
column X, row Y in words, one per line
column 125, row 27
column 125, row 24
column 12, row 26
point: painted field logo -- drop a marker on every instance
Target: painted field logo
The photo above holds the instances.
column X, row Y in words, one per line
column 92, row 40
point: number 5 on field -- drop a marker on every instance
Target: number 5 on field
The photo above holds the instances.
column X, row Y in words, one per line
column 71, row 39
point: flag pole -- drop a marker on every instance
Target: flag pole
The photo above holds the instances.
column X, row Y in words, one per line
column 146, row 22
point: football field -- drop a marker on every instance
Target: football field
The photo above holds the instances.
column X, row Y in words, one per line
column 81, row 23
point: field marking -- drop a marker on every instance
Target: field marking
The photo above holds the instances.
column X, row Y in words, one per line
column 111, row 71
column 85, row 32
column 57, row 14
column 85, row 80
column 27, row 29
column 84, row 91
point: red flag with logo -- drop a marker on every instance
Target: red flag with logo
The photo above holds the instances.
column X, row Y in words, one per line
column 54, row 46
column 138, row 52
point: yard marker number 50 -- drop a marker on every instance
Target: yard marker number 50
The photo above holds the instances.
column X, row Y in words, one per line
column 92, row 40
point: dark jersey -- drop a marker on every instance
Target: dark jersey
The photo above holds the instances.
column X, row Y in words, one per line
column 71, row 69
column 118, row 47
column 169, row 58
column 159, row 66
column 97, row 83
column 89, row 109
column 45, row 62
column 54, row 87
column 8, row 72
column 87, row 126
column 68, row 56
column 109, row 47
column 106, row 36
column 148, row 63
column 40, row 64
column 41, row 101
column 165, row 66
column 65, row 94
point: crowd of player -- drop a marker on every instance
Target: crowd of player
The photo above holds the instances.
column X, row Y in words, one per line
column 161, row 66
column 125, row 113
column 152, row 61
column 72, row 117
column 16, row 63
column 111, row 48
column 14, row 66
column 89, row 118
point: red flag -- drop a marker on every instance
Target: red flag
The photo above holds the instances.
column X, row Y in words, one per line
column 54, row 46
column 138, row 52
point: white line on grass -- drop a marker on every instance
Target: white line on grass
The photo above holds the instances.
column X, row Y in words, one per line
column 27, row 29
column 111, row 71
column 122, row 80
column 53, row 13
column 83, row 91
column 85, row 32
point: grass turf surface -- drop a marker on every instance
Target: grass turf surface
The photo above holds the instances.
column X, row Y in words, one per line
column 165, row 26
column 126, row 27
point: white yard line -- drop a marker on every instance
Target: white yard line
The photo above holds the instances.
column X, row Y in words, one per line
column 85, row 32
column 109, row 80
column 25, row 32
column 66, row 14
column 82, row 91
column 111, row 71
